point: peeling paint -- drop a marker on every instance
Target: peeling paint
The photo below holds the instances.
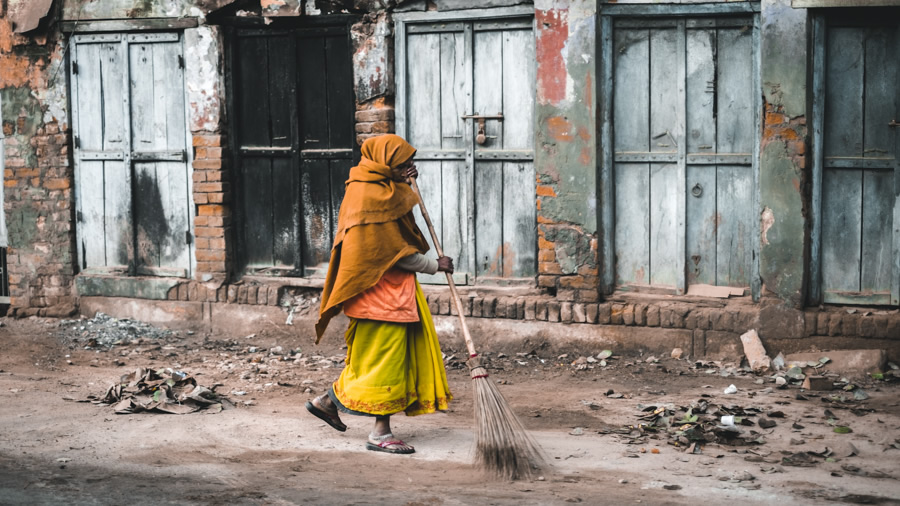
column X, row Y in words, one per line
column 203, row 78
column 766, row 220
column 372, row 60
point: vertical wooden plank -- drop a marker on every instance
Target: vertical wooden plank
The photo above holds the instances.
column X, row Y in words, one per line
column 701, row 91
column 90, row 97
column 340, row 173
column 423, row 89
column 431, row 187
column 316, row 201
column 519, row 220
column 701, row 180
column 895, row 261
column 453, row 100
column 844, row 93
column 664, row 96
column 818, row 159
column 664, row 216
column 469, row 143
column 755, row 280
column 92, row 243
column 681, row 174
column 148, row 129
column 454, row 215
column 733, row 220
column 632, row 233
column 150, row 225
column 631, row 100
column 489, row 85
column 172, row 177
column 341, row 99
column 882, row 75
column 254, row 93
column 607, row 196
column 143, row 115
column 666, row 180
column 258, row 227
column 114, row 117
column 313, row 112
column 877, row 227
column 734, row 95
column 701, row 224
column 488, row 221
column 517, row 128
column 841, row 229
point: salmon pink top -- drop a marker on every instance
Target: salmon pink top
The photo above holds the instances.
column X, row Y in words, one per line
column 392, row 299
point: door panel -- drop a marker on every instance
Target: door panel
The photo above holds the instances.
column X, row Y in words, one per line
column 682, row 104
column 859, row 257
column 294, row 104
column 132, row 187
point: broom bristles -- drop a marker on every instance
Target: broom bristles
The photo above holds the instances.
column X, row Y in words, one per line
column 502, row 445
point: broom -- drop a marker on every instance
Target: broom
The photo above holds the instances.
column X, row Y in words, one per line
column 502, row 446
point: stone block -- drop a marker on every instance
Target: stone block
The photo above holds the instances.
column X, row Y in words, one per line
column 434, row 304
column 850, row 325
column 444, row 304
column 845, row 362
column 722, row 321
column 834, row 324
column 252, row 291
column 822, row 320
column 489, row 306
column 615, row 314
column 565, row 312
column 604, row 313
column 893, row 327
column 653, row 316
column 262, row 296
column 242, row 294
column 212, row 295
column 520, row 308
column 477, row 303
column 628, row 314
column 232, row 294
column 530, row 309
column 183, row 292
column 578, row 315
column 540, row 309
column 867, row 326
column 500, row 308
column 274, row 296
column 640, row 314
column 553, row 308
column 881, row 322
column 591, row 312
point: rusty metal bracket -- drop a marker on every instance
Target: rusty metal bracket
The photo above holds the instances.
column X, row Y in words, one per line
column 893, row 123
column 480, row 137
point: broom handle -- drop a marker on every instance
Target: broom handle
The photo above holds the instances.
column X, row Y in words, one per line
column 437, row 246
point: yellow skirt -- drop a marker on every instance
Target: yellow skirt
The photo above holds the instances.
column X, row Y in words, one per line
column 393, row 367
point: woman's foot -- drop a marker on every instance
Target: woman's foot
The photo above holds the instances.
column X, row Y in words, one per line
column 322, row 408
column 389, row 444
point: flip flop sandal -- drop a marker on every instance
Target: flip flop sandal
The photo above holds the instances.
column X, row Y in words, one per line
column 389, row 440
column 325, row 417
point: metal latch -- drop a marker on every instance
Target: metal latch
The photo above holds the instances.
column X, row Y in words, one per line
column 893, row 123
column 480, row 137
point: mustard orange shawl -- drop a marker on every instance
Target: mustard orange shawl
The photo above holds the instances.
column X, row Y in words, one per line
column 376, row 227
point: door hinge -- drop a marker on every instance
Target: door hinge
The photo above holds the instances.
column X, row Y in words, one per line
column 75, row 67
column 76, row 142
column 180, row 61
column 188, row 238
column 79, row 217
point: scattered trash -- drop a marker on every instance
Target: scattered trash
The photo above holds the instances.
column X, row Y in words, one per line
column 163, row 390
column 677, row 352
column 731, row 389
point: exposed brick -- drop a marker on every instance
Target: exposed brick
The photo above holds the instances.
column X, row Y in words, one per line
column 810, row 321
column 252, row 291
column 565, row 295
column 207, row 255
column 215, row 152
column 242, row 294
column 216, row 198
column 540, row 309
column 722, row 320
column 477, row 303
column 590, row 313
column 377, row 127
column 207, row 164
column 213, row 210
column 553, row 308
column 489, row 306
column 194, row 292
column 881, row 326
column 444, row 304
column 628, row 314
column 222, row 293
column 640, row 314
column 373, row 115
column 571, row 282
column 200, row 153
column 434, row 304
column 207, row 140
column 172, row 294
column 500, row 310
column 893, row 327
column 653, row 316
column 591, row 295
column 850, row 325
column 232, row 293
column 57, row 184
column 274, row 296
column 520, row 308
column 547, row 281
column 578, row 315
column 210, row 187
column 566, row 314
column 184, row 292
column 604, row 313
column 530, row 309
column 547, row 255
column 867, row 326
column 834, row 324
column 615, row 315
column 262, row 296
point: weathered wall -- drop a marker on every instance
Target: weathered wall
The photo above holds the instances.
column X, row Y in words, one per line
column 784, row 178
column 124, row 9
column 38, row 176
column 565, row 148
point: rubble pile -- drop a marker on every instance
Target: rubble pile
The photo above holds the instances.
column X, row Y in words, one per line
column 104, row 331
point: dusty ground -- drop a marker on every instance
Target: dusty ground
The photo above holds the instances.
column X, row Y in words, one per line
column 268, row 450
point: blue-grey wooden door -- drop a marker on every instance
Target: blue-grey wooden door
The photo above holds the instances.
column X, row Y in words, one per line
column 684, row 121
column 856, row 241
column 132, row 188
column 480, row 195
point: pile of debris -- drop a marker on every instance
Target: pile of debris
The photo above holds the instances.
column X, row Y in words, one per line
column 164, row 391
column 104, row 331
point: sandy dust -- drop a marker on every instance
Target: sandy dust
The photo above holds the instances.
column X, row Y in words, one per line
column 55, row 449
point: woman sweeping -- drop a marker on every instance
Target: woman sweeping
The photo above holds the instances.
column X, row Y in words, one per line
column 394, row 361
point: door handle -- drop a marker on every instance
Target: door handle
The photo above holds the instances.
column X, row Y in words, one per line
column 893, row 123
column 480, row 137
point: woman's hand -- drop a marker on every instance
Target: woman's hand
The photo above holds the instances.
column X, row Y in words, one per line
column 412, row 172
column 445, row 264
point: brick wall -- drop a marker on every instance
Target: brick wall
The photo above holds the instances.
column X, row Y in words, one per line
column 212, row 200
column 374, row 118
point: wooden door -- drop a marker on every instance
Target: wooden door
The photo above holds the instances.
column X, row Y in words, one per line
column 856, row 256
column 455, row 77
column 294, row 108
column 131, row 176
column 684, row 122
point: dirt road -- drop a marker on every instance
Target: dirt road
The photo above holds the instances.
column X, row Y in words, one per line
column 55, row 449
